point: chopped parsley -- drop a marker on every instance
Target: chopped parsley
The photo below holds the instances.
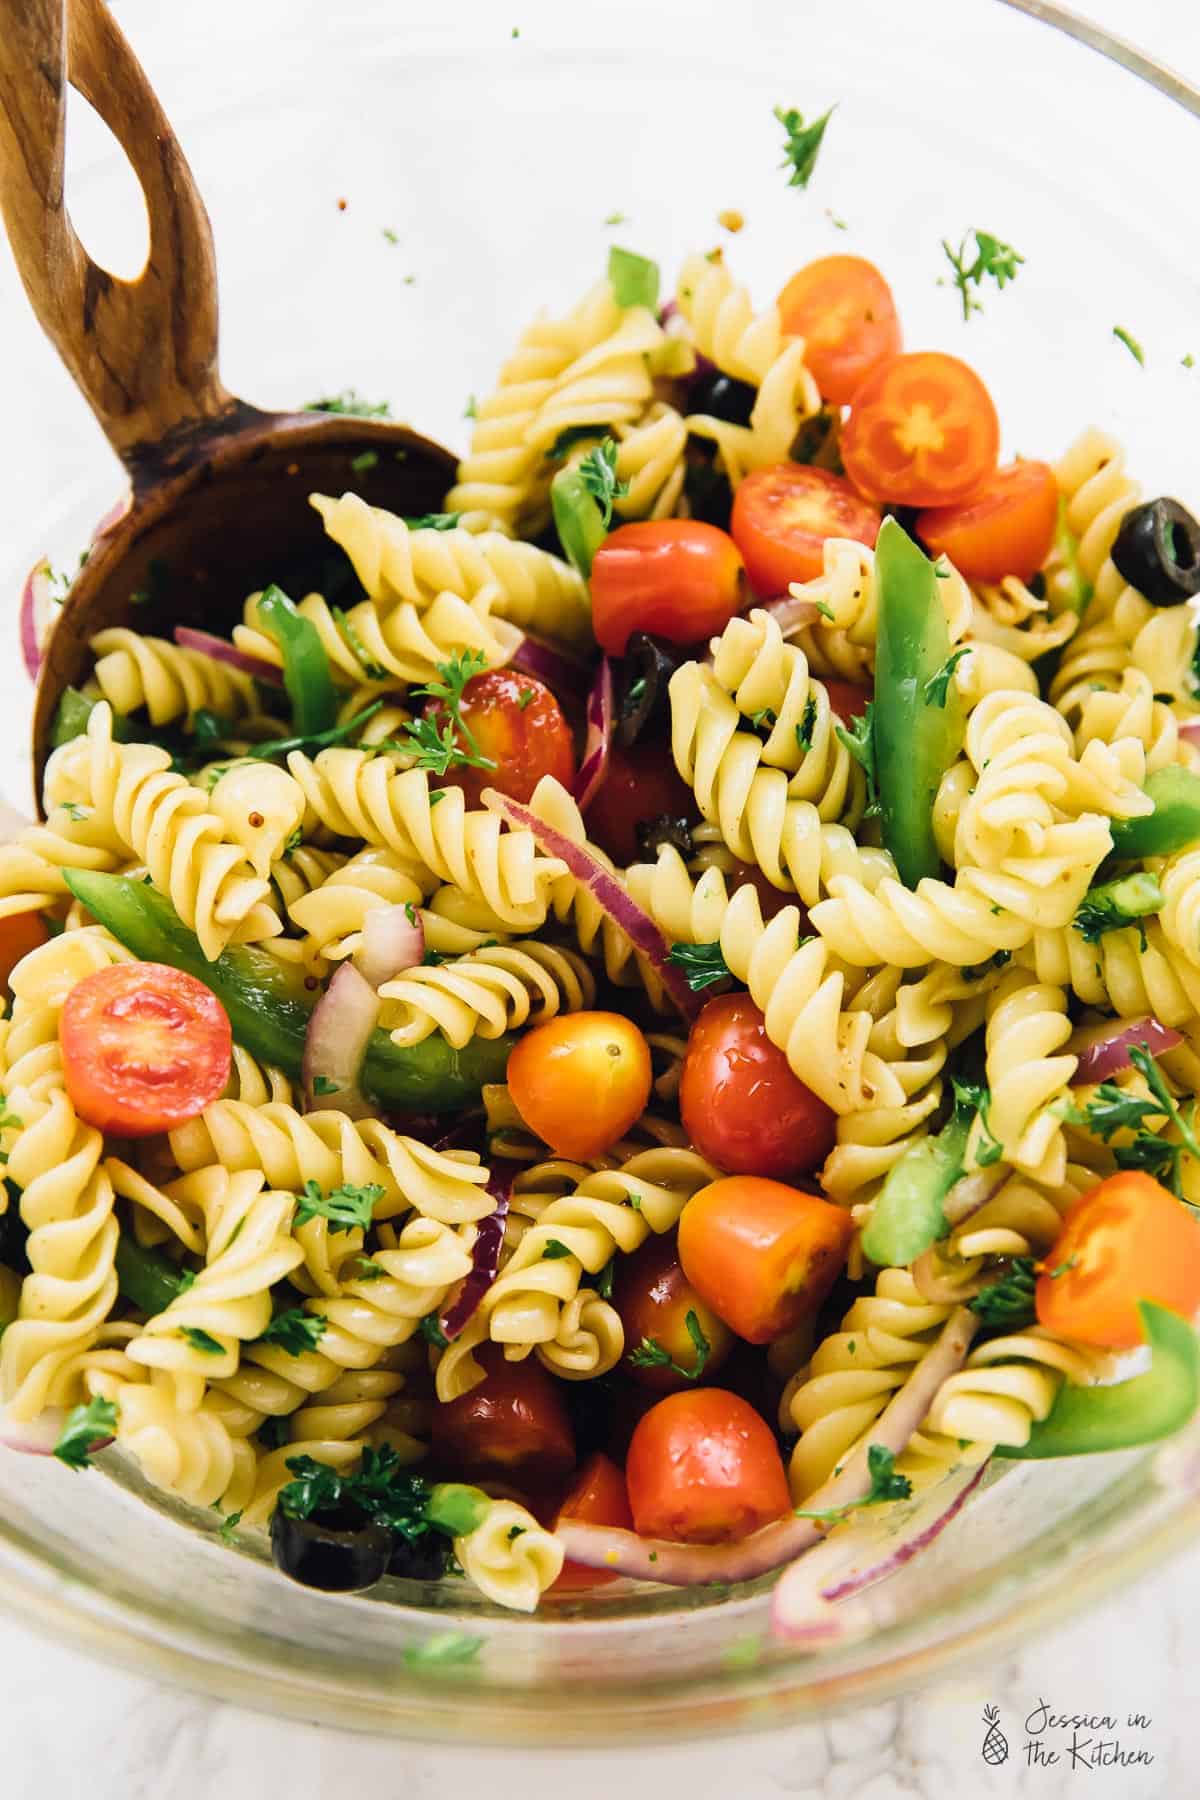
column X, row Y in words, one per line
column 439, row 521
column 525, row 698
column 1112, row 1109
column 1114, row 904
column 295, row 1331
column 366, row 459
column 393, row 237
column 446, row 741
column 972, row 1096
column 604, row 1280
column 938, row 685
column 807, row 725
column 702, row 964
column 651, row 1355
column 471, row 409
column 801, row 144
column 555, row 1250
column 885, row 1485
column 634, row 278
column 1131, row 344
column 432, row 1332
column 203, row 1340
column 598, row 473
column 350, row 401
column 1008, row 1301
column 569, row 436
column 616, row 218
column 85, row 1429
column 859, row 740
column 447, row 1649
column 228, row 1526
column 991, row 257
column 345, row 1207
column 324, row 1084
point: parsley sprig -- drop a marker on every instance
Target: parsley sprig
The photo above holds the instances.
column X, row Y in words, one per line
column 859, row 740
column 345, row 1207
column 598, row 472
column 702, row 964
column 973, row 1096
column 444, row 742
column 991, row 257
column 937, row 687
column 350, row 401
column 651, row 1355
column 86, row 1427
column 802, row 143
column 1112, row 1109
column 295, row 1331
column 885, row 1485
column 1008, row 1300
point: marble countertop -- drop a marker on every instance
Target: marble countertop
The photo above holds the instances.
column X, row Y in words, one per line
column 76, row 1728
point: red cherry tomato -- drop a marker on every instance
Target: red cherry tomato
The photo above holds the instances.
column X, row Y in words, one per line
column 763, row 1255
column 922, row 431
column 144, row 1048
column 513, row 1426
column 517, row 722
column 641, row 784
column 580, row 1081
column 654, row 1297
column 678, row 578
column 19, row 934
column 846, row 700
column 771, row 900
column 1128, row 1239
column 740, row 1103
column 704, row 1468
column 843, row 309
column 782, row 516
column 1006, row 529
column 597, row 1496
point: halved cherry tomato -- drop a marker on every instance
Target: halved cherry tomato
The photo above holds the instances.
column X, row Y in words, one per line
column 1126, row 1240
column 763, row 1255
column 19, row 934
column 598, row 1496
column 516, row 721
column 654, row 1297
column 641, row 784
column 580, row 1081
column 513, row 1426
column 922, row 431
column 843, row 309
column 771, row 900
column 846, row 700
column 678, row 578
column 740, row 1103
column 704, row 1468
column 782, row 516
column 144, row 1048
column 1007, row 528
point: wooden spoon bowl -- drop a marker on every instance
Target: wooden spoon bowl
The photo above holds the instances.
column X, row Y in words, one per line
column 218, row 500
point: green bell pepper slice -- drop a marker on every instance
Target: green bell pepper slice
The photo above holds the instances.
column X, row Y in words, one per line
column 146, row 1277
column 1174, row 823
column 909, row 1213
column 269, row 1005
column 306, row 673
column 1138, row 1411
column 917, row 720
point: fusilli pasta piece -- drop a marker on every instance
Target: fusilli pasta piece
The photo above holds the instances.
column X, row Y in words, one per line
column 171, row 682
column 510, row 1557
column 486, row 993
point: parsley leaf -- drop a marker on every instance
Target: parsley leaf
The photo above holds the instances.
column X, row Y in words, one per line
column 314, row 1488
column 344, row 1207
column 802, row 144
column 807, row 725
column 651, row 1355
column 350, row 401
column 604, row 1280
column 439, row 521
column 202, row 1340
column 437, row 743
column 1116, row 903
column 992, row 257
column 324, row 1084
column 598, row 473
column 228, row 1526
column 702, row 964
column 86, row 1428
column 937, row 686
column 859, row 740
column 973, row 1097
column 571, row 435
column 432, row 1332
column 1009, row 1300
column 555, row 1250
column 634, row 278
column 885, row 1485
column 295, row 1331
column 1112, row 1109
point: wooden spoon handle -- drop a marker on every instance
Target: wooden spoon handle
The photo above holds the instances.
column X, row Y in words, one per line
column 143, row 352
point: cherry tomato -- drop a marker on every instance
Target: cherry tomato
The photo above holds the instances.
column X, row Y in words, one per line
column 740, row 1103
column 782, row 516
column 641, row 784
column 1127, row 1240
column 517, row 722
column 144, row 1048
column 846, row 700
column 922, row 431
column 513, row 1426
column 771, row 900
column 1006, row 529
column 597, row 1496
column 580, row 1081
column 843, row 309
column 763, row 1255
column 704, row 1468
column 654, row 1297
column 19, row 934
column 678, row 578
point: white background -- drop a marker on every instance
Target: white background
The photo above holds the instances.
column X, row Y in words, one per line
column 72, row 1728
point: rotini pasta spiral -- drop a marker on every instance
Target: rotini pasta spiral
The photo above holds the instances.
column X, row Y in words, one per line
column 332, row 911
column 787, row 397
column 724, row 325
column 493, row 990
column 1026, row 1024
column 1008, row 1384
column 1130, row 971
column 189, row 1453
column 1179, row 914
column 33, row 865
column 510, row 1557
column 842, row 641
column 171, row 682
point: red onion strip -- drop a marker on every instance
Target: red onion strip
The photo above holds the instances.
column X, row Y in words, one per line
column 393, row 939
column 1191, row 731
column 686, row 1565
column 34, row 1437
column 224, row 652
column 608, row 892
column 600, row 710
column 463, row 1301
column 563, row 673
column 791, row 614
column 35, row 597
column 336, row 1042
column 1110, row 1053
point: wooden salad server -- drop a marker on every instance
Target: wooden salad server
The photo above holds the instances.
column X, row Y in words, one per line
column 217, row 499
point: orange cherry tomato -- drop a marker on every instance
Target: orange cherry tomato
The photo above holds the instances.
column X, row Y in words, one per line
column 1006, row 529
column 922, row 431
column 144, row 1048
column 1126, row 1240
column 598, row 1496
column 740, row 1103
column 639, row 785
column 846, row 700
column 513, row 1426
column 704, row 1468
column 580, row 1081
column 19, row 934
column 678, row 578
column 517, row 722
column 782, row 516
column 843, row 309
column 654, row 1297
column 763, row 1255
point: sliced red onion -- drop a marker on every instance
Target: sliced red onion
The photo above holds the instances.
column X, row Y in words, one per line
column 563, row 673
column 810, row 1602
column 601, row 708
column 686, row 1565
column 224, row 652
column 608, row 892
column 35, row 1437
column 790, row 614
column 114, row 515
column 1191, row 731
column 336, row 1042
column 1110, row 1046
column 393, row 938
column 35, row 599
column 463, row 1299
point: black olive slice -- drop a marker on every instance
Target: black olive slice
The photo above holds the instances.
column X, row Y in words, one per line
column 338, row 1551
column 646, row 668
column 421, row 1558
column 1157, row 551
column 722, row 397
column 652, row 834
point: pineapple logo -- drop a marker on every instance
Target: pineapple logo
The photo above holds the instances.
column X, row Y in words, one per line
column 995, row 1744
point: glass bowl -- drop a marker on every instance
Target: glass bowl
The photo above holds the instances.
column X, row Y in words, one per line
column 479, row 157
